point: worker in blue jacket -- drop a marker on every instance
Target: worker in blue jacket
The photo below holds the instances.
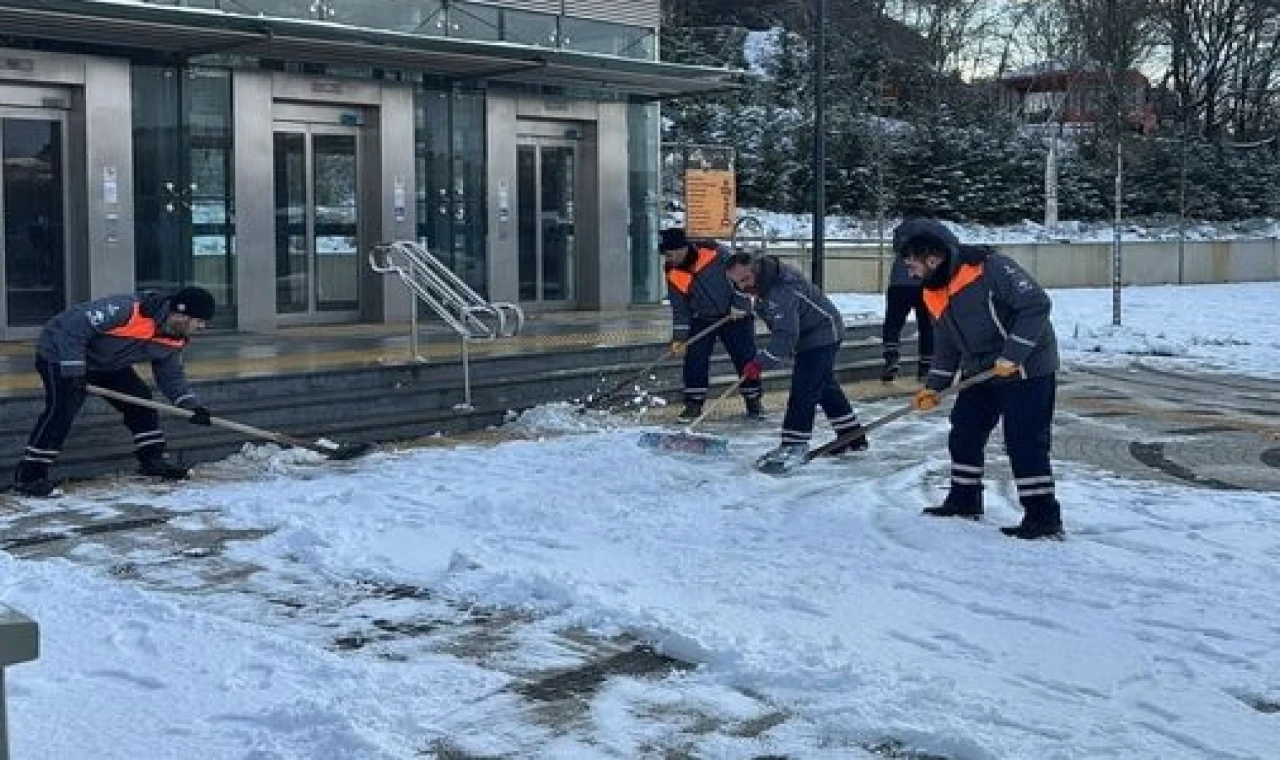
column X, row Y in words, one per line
column 988, row 314
column 700, row 296
column 99, row 342
column 806, row 331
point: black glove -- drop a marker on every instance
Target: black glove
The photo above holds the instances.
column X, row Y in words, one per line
column 200, row 416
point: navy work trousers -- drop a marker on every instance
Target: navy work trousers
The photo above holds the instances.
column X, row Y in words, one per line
column 814, row 384
column 62, row 401
column 1025, row 407
column 739, row 339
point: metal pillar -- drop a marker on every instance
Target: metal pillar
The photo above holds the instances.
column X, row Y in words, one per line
column 819, row 139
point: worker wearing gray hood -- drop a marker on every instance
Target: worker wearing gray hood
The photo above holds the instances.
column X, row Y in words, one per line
column 989, row 314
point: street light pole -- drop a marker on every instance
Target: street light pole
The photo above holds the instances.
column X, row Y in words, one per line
column 1117, row 259
column 1117, row 254
column 1182, row 186
column 819, row 139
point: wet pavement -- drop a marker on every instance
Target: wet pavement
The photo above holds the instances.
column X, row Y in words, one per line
column 1217, row 432
column 221, row 355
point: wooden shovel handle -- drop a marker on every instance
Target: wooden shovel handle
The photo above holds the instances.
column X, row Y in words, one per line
column 896, row 414
column 239, row 427
column 608, row 395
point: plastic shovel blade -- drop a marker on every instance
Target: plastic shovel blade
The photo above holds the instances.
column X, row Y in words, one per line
column 686, row 443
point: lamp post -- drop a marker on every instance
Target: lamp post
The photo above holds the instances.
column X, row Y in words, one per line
column 1117, row 258
column 1117, row 255
column 1182, row 185
column 819, row 139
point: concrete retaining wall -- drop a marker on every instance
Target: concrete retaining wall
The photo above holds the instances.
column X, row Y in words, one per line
column 864, row 267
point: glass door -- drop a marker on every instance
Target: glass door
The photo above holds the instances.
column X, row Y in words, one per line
column 546, row 182
column 33, row 204
column 317, row 198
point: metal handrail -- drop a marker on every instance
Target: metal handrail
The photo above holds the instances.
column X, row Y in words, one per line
column 464, row 310
column 737, row 236
column 451, row 298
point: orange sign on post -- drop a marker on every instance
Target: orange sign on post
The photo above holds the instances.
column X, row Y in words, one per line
column 710, row 202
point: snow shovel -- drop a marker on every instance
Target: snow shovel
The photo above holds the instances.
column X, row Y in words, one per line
column 339, row 451
column 688, row 441
column 599, row 401
column 836, row 443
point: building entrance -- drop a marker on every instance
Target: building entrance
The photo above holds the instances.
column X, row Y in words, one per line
column 317, row 221
column 33, row 204
column 547, row 206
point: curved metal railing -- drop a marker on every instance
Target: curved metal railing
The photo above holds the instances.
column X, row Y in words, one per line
column 746, row 230
column 452, row 299
column 457, row 304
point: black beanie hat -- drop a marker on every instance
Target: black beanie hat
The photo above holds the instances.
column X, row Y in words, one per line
column 194, row 302
column 673, row 239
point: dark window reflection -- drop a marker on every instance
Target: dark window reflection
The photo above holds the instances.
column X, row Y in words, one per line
column 451, row 203
column 557, row 220
column 34, row 229
column 291, row 222
column 184, row 226
column 527, row 216
column 336, row 223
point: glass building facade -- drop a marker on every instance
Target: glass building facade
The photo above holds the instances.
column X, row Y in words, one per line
column 262, row 155
column 184, row 204
column 463, row 20
column 449, row 130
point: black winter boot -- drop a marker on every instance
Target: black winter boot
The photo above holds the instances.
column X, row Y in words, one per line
column 692, row 411
column 858, row 443
column 32, row 479
column 1041, row 520
column 953, row 509
column 40, row 488
column 159, row 466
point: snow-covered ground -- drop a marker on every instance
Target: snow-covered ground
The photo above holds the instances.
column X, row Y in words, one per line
column 1221, row 328
column 826, row 618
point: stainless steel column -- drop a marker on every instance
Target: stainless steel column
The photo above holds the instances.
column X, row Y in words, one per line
column 612, row 202
column 394, row 212
column 108, row 136
column 255, row 273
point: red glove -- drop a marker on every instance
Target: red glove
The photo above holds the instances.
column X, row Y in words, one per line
column 752, row 370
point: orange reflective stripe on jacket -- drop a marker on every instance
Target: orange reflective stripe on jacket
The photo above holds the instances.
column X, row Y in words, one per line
column 682, row 279
column 936, row 300
column 140, row 327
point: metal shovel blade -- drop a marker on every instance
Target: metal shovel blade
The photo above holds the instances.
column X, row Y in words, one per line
column 346, row 451
column 686, row 443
